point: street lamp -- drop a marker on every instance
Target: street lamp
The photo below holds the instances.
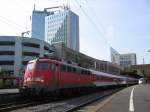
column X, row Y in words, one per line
column 22, row 34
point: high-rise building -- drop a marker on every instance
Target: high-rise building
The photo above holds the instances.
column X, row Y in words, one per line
column 38, row 24
column 55, row 26
column 124, row 60
column 114, row 55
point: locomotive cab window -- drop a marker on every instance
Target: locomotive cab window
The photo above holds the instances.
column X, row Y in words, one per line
column 29, row 66
column 43, row 65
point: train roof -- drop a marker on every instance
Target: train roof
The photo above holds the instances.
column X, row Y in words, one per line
column 105, row 74
column 72, row 65
column 58, row 61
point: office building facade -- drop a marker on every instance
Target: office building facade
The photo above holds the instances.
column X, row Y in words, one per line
column 127, row 59
column 123, row 60
column 61, row 25
column 38, row 24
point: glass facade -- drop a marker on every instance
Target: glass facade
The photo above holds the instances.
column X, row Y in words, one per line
column 57, row 26
column 38, row 24
column 63, row 26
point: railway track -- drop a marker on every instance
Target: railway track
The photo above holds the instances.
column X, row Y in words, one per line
column 67, row 105
column 15, row 105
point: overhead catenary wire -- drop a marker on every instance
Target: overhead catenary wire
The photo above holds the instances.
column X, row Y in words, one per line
column 15, row 24
column 93, row 23
column 10, row 24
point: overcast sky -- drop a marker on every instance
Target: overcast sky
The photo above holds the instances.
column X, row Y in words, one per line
column 122, row 24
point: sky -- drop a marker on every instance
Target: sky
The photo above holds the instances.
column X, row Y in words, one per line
column 121, row 24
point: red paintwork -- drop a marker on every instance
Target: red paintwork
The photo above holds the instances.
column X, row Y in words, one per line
column 63, row 79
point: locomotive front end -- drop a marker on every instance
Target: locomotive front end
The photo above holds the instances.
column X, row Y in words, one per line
column 36, row 77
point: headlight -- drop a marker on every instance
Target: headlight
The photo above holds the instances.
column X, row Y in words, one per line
column 28, row 79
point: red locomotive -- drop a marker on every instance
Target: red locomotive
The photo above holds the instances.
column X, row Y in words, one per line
column 44, row 75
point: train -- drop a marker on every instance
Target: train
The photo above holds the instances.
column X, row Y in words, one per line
column 45, row 75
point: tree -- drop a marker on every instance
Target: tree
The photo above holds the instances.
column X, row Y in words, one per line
column 2, row 72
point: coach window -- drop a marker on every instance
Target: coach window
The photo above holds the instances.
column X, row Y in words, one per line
column 82, row 71
column 78, row 70
column 74, row 69
column 89, row 72
column 85, row 72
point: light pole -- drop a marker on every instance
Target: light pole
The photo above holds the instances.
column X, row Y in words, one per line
column 22, row 34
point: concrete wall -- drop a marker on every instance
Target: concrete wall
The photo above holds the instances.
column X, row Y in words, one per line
column 24, row 50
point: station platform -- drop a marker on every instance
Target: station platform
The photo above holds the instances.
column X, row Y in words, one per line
column 8, row 91
column 131, row 99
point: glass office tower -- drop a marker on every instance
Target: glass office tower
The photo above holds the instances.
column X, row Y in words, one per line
column 57, row 26
column 38, row 24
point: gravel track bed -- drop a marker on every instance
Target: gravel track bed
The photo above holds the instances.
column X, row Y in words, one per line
column 67, row 105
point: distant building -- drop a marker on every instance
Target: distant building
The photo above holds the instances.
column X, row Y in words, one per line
column 55, row 26
column 66, row 54
column 15, row 52
column 124, row 60
column 142, row 70
column 127, row 59
column 114, row 55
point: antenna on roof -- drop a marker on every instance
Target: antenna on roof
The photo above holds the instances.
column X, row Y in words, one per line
column 34, row 7
column 68, row 4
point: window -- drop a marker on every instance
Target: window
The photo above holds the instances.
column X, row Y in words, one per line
column 24, row 62
column 29, row 66
column 7, row 53
column 31, row 45
column 78, row 70
column 63, row 68
column 43, row 65
column 73, row 69
column 30, row 54
column 68, row 69
column 89, row 73
column 52, row 67
column 2, row 43
column 6, row 62
column 46, row 48
column 86, row 72
column 82, row 71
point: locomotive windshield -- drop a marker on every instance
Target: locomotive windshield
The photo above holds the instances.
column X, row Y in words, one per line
column 43, row 65
column 29, row 66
